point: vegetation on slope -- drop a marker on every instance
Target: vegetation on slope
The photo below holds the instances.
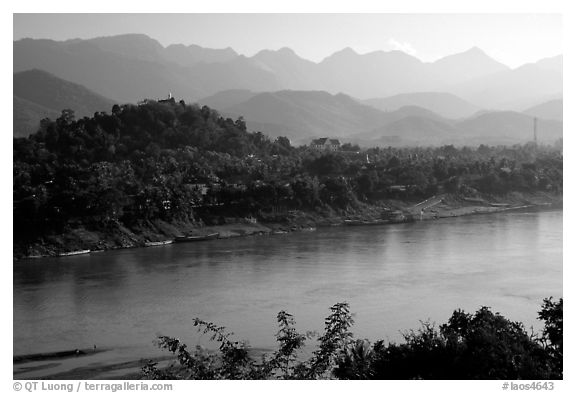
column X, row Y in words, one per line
column 171, row 161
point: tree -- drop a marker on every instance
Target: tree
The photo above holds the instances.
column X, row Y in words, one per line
column 234, row 362
column 326, row 164
column 66, row 118
column 553, row 335
column 484, row 345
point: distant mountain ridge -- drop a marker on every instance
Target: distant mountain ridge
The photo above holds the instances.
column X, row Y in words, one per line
column 492, row 128
column 130, row 67
column 511, row 89
column 445, row 104
column 308, row 113
column 304, row 115
column 551, row 110
column 456, row 99
column 129, row 77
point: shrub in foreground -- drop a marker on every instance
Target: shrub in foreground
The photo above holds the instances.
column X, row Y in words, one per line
column 483, row 345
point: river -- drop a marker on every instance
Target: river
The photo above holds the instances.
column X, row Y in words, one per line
column 392, row 276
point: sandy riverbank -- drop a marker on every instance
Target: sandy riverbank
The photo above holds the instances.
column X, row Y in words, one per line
column 78, row 368
column 118, row 236
column 112, row 364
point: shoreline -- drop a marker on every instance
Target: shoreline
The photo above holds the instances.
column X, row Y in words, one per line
column 32, row 367
column 81, row 240
column 129, row 370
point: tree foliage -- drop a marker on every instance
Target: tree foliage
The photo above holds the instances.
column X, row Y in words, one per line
column 483, row 345
column 152, row 161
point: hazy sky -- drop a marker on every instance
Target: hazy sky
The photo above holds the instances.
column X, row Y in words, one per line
column 512, row 39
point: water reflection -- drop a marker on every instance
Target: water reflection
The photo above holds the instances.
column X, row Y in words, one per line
column 392, row 276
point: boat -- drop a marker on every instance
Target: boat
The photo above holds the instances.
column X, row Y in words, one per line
column 182, row 239
column 365, row 222
column 160, row 243
column 70, row 253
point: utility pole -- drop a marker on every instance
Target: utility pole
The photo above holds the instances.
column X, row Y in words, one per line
column 535, row 132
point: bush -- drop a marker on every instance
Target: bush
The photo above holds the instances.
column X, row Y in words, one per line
column 484, row 345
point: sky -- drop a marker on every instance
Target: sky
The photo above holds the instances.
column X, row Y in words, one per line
column 513, row 39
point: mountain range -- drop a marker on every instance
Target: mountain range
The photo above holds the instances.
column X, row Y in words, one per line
column 304, row 115
column 374, row 98
column 115, row 67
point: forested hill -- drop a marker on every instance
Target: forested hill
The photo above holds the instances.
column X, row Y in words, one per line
column 134, row 129
column 170, row 161
column 140, row 161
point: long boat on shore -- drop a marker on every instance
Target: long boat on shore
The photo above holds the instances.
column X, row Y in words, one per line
column 366, row 222
column 160, row 243
column 71, row 253
column 210, row 236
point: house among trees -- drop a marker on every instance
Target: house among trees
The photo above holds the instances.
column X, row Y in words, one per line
column 325, row 144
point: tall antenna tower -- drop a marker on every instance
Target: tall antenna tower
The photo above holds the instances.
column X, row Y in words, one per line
column 535, row 131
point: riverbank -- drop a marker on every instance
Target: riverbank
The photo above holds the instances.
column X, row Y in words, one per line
column 62, row 366
column 66, row 369
column 117, row 236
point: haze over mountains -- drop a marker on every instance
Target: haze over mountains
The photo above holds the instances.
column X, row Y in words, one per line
column 444, row 104
column 389, row 95
column 303, row 115
column 192, row 72
column 551, row 110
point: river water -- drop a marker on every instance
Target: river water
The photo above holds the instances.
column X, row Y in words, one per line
column 392, row 276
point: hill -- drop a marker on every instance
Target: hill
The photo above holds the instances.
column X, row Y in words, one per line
column 27, row 116
column 492, row 128
column 305, row 114
column 227, row 98
column 511, row 89
column 508, row 127
column 374, row 74
column 460, row 67
column 410, row 131
column 445, row 104
column 554, row 63
column 38, row 94
column 551, row 110
column 194, row 54
column 291, row 71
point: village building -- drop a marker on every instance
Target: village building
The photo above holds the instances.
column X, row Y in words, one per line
column 326, row 144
